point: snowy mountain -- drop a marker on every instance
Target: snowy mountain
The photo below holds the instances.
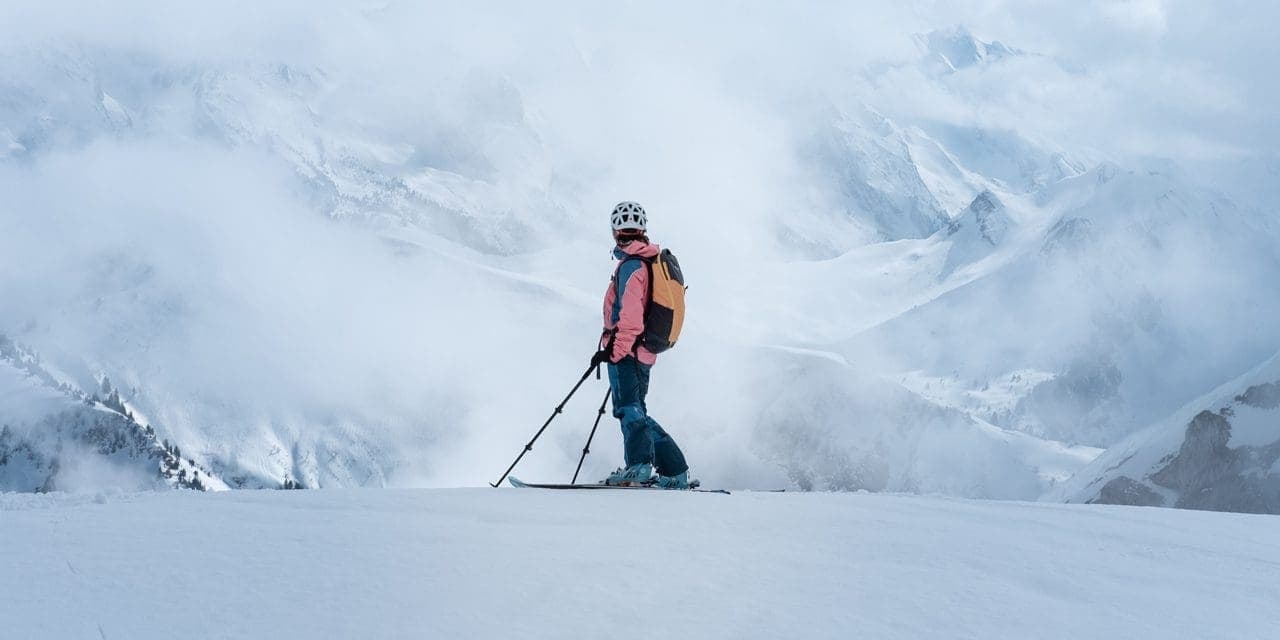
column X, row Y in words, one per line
column 374, row 258
column 56, row 437
column 1085, row 294
column 955, row 48
column 981, row 227
column 866, row 159
column 1221, row 452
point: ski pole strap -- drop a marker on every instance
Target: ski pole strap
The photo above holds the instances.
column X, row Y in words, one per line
column 613, row 339
column 608, row 345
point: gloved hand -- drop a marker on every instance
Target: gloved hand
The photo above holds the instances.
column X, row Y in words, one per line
column 600, row 357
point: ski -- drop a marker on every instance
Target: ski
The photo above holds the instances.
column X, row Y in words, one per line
column 516, row 482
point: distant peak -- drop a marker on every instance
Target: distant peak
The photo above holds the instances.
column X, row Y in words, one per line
column 1106, row 171
column 955, row 48
column 985, row 203
column 986, row 216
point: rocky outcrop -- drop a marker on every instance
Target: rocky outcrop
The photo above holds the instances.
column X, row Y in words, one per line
column 1262, row 396
column 977, row 231
column 1127, row 491
column 1070, row 237
column 1208, row 474
column 1226, row 459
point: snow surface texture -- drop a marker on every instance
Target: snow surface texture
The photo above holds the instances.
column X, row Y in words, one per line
column 363, row 246
column 526, row 563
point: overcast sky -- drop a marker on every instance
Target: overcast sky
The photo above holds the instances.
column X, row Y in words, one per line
column 1165, row 77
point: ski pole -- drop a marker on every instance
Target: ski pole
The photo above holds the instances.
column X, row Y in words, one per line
column 559, row 409
column 587, row 448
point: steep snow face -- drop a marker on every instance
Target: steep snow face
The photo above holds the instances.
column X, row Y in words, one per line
column 1218, row 452
column 867, row 161
column 949, row 50
column 1004, row 159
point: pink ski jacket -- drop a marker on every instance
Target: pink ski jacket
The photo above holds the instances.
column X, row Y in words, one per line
column 625, row 301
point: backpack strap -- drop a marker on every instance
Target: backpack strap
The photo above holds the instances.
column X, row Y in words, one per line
column 648, row 263
column 617, row 292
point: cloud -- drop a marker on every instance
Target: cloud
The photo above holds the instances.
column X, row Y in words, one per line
column 1138, row 15
column 1198, row 74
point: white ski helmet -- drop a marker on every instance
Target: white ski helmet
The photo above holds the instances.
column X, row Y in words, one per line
column 628, row 215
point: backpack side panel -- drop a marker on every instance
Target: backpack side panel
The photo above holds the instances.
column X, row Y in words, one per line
column 665, row 316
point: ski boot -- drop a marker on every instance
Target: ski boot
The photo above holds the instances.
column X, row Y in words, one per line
column 678, row 481
column 634, row 475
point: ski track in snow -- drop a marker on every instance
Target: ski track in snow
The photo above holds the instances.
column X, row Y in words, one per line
column 484, row 563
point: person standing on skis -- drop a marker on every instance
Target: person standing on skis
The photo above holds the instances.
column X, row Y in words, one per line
column 647, row 446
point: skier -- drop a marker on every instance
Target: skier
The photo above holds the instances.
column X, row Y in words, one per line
column 646, row 444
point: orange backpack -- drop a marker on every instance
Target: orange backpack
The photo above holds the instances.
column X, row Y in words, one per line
column 664, row 314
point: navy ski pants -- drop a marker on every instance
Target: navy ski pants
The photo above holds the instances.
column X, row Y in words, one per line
column 643, row 439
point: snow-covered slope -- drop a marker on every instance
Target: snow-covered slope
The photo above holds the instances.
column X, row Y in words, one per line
column 54, row 436
column 1100, row 293
column 522, row 563
column 1219, row 452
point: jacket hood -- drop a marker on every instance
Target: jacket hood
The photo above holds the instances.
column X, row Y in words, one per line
column 637, row 248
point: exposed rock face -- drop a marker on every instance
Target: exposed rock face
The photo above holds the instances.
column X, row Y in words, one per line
column 1263, row 396
column 1209, row 475
column 985, row 218
column 977, row 231
column 1204, row 458
column 1206, row 471
column 989, row 214
column 1075, row 404
column 1126, row 491
column 1070, row 236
